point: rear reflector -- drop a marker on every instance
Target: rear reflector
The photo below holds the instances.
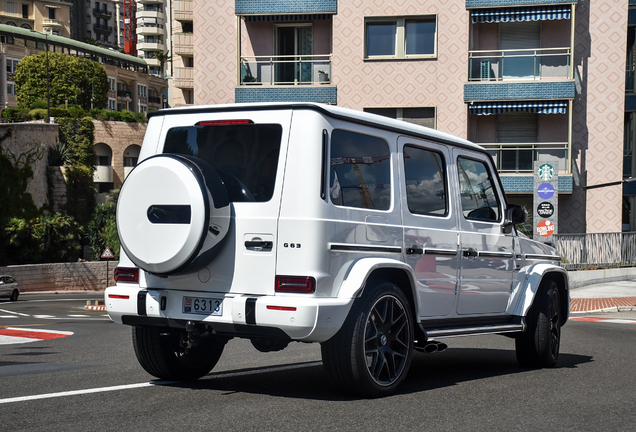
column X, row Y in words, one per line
column 127, row 274
column 295, row 284
column 223, row 122
column 282, row 308
column 118, row 296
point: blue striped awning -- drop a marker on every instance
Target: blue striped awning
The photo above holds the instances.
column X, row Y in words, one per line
column 279, row 18
column 558, row 107
column 535, row 13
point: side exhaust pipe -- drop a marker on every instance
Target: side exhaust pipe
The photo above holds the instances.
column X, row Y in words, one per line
column 431, row 347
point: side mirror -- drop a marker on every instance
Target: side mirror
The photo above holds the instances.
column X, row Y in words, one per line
column 515, row 215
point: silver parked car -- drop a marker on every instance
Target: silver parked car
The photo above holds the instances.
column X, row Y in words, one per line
column 9, row 287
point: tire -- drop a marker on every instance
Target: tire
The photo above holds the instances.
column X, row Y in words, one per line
column 538, row 345
column 14, row 295
column 370, row 355
column 163, row 354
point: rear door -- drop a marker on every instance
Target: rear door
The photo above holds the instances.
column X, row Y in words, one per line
column 248, row 149
column 431, row 237
column 487, row 254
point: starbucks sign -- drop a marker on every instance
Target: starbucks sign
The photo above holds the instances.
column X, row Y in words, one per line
column 546, row 200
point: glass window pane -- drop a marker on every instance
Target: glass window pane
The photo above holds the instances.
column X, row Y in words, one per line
column 420, row 37
column 478, row 196
column 381, row 39
column 244, row 156
column 360, row 171
column 425, row 185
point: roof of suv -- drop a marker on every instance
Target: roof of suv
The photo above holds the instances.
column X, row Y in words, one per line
column 347, row 114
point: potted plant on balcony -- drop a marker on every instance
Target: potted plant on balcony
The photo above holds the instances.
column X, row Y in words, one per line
column 250, row 80
column 323, row 76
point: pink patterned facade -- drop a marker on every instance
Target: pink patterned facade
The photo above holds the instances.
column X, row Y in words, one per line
column 270, row 55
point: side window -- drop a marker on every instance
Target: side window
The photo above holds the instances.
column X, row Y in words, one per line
column 426, row 191
column 478, row 196
column 360, row 171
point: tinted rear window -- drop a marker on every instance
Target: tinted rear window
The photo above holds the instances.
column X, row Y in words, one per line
column 247, row 154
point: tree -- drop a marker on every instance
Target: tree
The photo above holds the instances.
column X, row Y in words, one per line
column 75, row 79
column 163, row 58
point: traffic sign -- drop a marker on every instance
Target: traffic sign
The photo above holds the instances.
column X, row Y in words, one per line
column 107, row 254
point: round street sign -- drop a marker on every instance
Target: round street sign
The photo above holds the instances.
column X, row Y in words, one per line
column 545, row 209
column 545, row 191
column 545, row 228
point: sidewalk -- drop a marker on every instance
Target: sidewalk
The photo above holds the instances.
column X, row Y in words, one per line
column 617, row 296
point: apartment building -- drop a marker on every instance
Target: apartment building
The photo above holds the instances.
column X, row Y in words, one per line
column 182, row 50
column 131, row 87
column 50, row 17
column 528, row 79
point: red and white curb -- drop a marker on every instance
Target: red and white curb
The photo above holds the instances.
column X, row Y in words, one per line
column 96, row 305
column 14, row 335
column 605, row 320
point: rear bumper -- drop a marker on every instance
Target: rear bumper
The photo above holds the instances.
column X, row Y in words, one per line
column 297, row 317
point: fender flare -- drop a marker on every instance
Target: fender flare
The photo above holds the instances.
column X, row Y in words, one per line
column 529, row 282
column 353, row 276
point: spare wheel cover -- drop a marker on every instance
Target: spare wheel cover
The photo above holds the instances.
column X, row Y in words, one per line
column 172, row 214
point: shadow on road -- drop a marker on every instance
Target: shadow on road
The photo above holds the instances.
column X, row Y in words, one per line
column 427, row 372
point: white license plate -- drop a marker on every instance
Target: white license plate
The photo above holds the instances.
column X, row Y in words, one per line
column 203, row 306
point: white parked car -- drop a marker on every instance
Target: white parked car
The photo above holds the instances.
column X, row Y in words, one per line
column 304, row 222
column 9, row 287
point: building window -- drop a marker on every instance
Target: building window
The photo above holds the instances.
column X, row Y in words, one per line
column 141, row 90
column 423, row 116
column 25, row 11
column 112, row 104
column 12, row 64
column 10, row 88
column 401, row 37
column 10, row 8
column 51, row 13
column 112, row 84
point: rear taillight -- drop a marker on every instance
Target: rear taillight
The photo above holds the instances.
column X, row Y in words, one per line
column 127, row 274
column 295, row 284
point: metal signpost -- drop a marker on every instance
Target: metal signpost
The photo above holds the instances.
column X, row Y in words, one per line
column 546, row 200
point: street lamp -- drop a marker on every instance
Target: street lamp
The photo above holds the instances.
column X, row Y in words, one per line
column 48, row 81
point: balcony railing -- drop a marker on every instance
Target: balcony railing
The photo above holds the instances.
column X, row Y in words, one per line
column 48, row 22
column 102, row 12
column 519, row 157
column 522, row 64
column 286, row 70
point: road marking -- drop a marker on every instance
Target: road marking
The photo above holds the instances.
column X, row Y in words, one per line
column 16, row 313
column 607, row 320
column 77, row 392
column 157, row 383
column 8, row 316
column 13, row 335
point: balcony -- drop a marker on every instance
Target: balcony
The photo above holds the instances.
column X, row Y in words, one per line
column 515, row 158
column 520, row 64
column 52, row 23
column 285, row 70
column 102, row 28
column 182, row 44
column 182, row 10
column 150, row 12
column 183, row 77
column 101, row 13
column 150, row 46
column 630, row 79
column 149, row 29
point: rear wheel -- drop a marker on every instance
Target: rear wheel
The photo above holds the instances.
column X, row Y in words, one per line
column 169, row 354
column 14, row 295
column 371, row 354
column 538, row 345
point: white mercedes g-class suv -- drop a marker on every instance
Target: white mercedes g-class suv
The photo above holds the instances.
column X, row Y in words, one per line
column 305, row 222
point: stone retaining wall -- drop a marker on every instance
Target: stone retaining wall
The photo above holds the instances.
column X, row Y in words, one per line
column 75, row 276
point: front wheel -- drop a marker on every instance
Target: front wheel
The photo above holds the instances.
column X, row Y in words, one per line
column 14, row 295
column 538, row 345
column 370, row 355
column 169, row 354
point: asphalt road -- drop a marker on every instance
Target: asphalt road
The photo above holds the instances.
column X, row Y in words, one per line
column 90, row 380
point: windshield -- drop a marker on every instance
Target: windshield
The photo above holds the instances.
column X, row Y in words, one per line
column 244, row 155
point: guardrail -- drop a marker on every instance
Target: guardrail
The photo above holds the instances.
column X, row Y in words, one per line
column 600, row 250
column 519, row 157
column 285, row 70
column 540, row 63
